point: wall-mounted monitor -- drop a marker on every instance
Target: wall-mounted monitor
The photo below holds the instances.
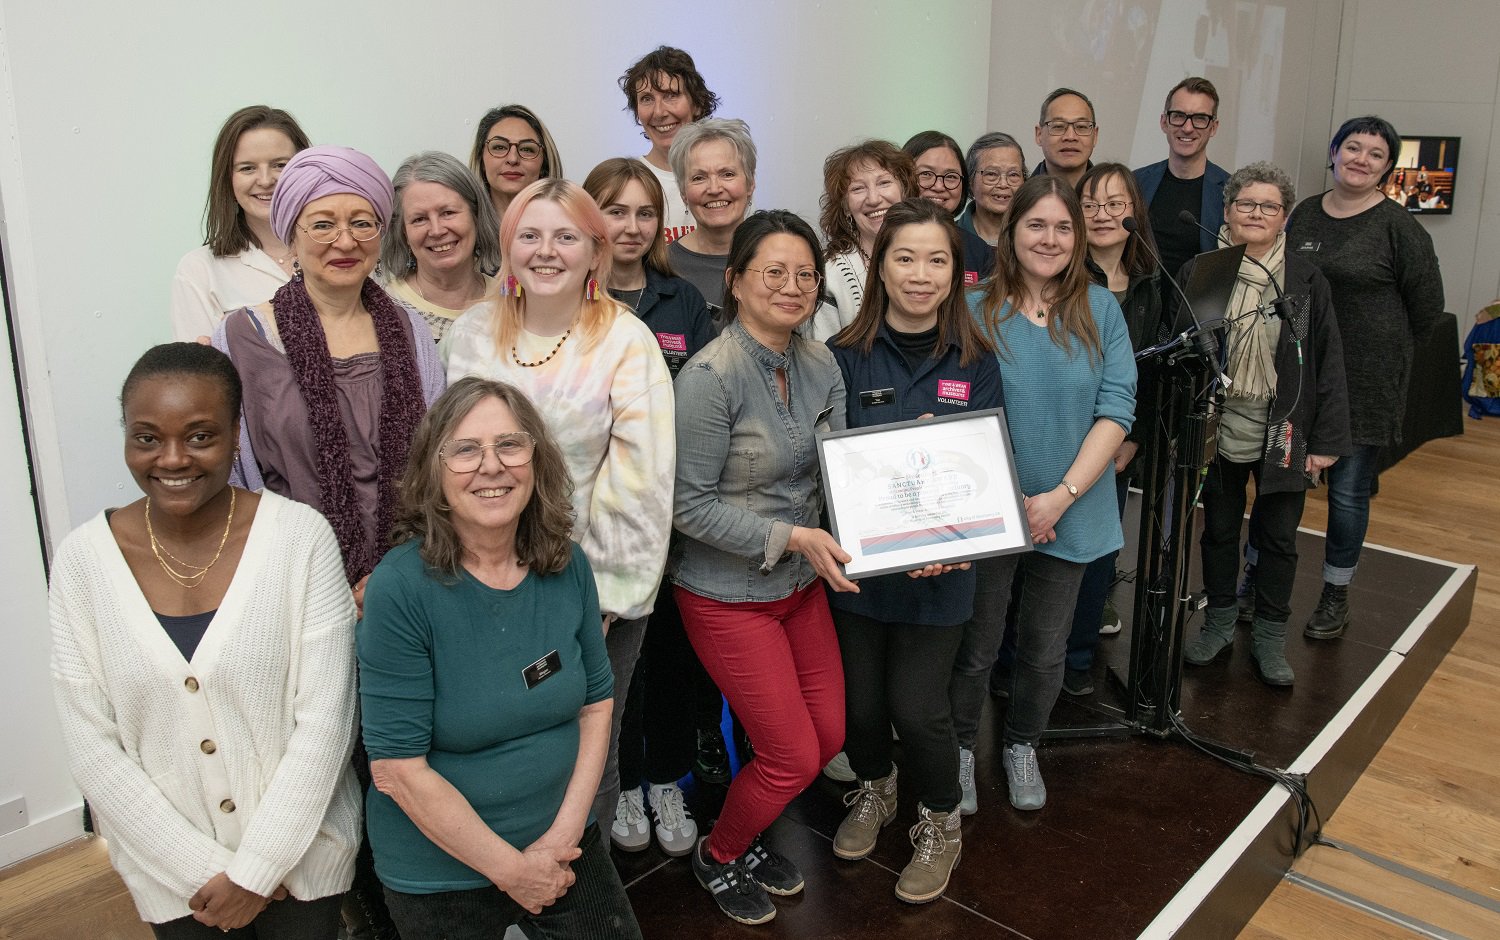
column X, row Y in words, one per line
column 1425, row 174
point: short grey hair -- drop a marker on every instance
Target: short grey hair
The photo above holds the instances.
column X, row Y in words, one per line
column 994, row 140
column 1261, row 172
column 734, row 130
column 434, row 166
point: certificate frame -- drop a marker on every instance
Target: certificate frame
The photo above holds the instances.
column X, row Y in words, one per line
column 928, row 491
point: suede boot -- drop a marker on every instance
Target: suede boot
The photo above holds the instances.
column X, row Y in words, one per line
column 1268, row 650
column 937, row 841
column 872, row 806
column 1215, row 639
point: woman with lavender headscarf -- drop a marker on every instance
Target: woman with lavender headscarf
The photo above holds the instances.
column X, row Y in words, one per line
column 336, row 376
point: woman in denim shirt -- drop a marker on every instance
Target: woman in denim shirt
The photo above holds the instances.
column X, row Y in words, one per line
column 747, row 502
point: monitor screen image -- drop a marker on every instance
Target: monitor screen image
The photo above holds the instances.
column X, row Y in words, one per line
column 1425, row 174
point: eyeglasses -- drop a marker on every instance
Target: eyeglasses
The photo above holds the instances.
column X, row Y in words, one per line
column 500, row 147
column 931, row 180
column 464, row 455
column 1115, row 207
column 1179, row 118
column 776, row 277
column 1058, row 128
column 1268, row 209
column 325, row 232
column 996, row 177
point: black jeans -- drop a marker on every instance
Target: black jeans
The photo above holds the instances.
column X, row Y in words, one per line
column 897, row 674
column 670, row 700
column 595, row 907
column 281, row 920
column 1273, row 532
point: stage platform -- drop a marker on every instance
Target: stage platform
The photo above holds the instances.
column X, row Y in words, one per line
column 1141, row 836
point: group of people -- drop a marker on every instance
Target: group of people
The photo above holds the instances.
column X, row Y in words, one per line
column 537, row 463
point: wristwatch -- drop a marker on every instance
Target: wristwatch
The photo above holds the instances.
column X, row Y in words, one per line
column 1072, row 490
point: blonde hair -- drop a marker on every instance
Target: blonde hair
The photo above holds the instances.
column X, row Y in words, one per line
column 510, row 310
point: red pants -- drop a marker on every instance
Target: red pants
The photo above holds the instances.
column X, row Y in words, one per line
column 777, row 663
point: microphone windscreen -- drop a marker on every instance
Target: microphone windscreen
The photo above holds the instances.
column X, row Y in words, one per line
column 1128, row 223
column 1188, row 217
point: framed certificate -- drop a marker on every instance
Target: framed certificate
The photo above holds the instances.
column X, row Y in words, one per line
column 930, row 491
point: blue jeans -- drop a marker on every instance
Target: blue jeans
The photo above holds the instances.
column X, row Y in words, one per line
column 1048, row 591
column 595, row 907
column 1349, row 484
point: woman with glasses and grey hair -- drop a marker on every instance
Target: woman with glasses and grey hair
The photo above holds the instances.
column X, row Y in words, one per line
column 714, row 162
column 997, row 168
column 1285, row 419
column 443, row 240
column 512, row 150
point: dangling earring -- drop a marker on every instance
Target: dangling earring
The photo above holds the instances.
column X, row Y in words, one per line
column 296, row 270
column 591, row 290
column 510, row 287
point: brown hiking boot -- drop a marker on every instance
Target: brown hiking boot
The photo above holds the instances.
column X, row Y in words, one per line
column 937, row 840
column 872, row 807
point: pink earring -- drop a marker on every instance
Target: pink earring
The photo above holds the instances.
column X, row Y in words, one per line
column 591, row 290
column 510, row 287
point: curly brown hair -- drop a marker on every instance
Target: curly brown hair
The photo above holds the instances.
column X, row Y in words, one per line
column 840, row 168
column 670, row 62
column 543, row 536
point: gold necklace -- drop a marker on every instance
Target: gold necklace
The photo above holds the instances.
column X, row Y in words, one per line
column 540, row 362
column 185, row 579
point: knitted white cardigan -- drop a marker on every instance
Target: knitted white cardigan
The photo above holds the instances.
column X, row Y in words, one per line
column 237, row 761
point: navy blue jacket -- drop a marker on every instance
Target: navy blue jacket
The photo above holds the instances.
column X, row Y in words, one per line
column 1211, row 215
column 939, row 386
column 678, row 316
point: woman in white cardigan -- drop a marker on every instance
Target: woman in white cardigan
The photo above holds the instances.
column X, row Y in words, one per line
column 203, row 668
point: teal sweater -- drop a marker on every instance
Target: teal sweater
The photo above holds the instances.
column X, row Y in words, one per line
column 1052, row 399
column 440, row 676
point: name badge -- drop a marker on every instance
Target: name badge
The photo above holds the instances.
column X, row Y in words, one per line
column 1309, row 246
column 877, row 396
column 953, row 390
column 542, row 670
column 672, row 342
column 971, row 278
column 823, row 417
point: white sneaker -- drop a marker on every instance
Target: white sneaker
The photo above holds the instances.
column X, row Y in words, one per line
column 839, row 769
column 676, row 831
column 630, row 831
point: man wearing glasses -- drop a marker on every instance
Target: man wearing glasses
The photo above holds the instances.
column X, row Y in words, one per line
column 1186, row 179
column 1067, row 134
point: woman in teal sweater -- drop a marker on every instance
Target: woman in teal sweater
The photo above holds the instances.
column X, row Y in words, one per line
column 1069, row 388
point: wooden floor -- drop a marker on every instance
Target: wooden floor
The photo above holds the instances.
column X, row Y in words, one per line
column 1430, row 801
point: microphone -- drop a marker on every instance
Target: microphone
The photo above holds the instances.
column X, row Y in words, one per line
column 1207, row 343
column 1281, row 306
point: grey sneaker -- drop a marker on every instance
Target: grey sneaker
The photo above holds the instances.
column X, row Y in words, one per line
column 738, row 895
column 968, row 803
column 937, row 841
column 1109, row 623
column 1023, row 777
column 872, row 807
column 771, row 870
column 630, row 831
column 839, row 769
column 675, row 829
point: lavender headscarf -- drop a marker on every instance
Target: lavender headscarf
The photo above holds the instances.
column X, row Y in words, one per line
column 325, row 171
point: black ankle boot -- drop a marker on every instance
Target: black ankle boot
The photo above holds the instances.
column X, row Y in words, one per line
column 1331, row 618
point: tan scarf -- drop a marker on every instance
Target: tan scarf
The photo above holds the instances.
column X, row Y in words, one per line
column 1252, row 350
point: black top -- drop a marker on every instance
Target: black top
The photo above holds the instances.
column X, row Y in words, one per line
column 1176, row 240
column 979, row 257
column 1387, row 293
column 676, row 313
column 914, row 347
column 884, row 387
column 187, row 632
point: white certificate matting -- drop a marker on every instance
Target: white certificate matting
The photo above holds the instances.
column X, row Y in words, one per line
column 930, row 491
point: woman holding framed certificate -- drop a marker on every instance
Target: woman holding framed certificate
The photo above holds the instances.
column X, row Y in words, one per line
column 912, row 351
column 1069, row 382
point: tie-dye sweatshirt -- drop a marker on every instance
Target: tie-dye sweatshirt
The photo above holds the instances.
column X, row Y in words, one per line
column 609, row 407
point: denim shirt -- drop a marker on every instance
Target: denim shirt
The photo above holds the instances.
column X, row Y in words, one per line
column 747, row 464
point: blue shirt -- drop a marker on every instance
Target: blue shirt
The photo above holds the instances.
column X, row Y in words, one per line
column 939, row 386
column 1053, row 396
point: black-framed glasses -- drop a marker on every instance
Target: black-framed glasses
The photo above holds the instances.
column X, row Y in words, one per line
column 1179, row 118
column 325, row 232
column 996, row 177
column 1115, row 207
column 464, row 455
column 931, row 180
column 1268, row 209
column 775, row 278
column 500, row 147
column 1058, row 128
